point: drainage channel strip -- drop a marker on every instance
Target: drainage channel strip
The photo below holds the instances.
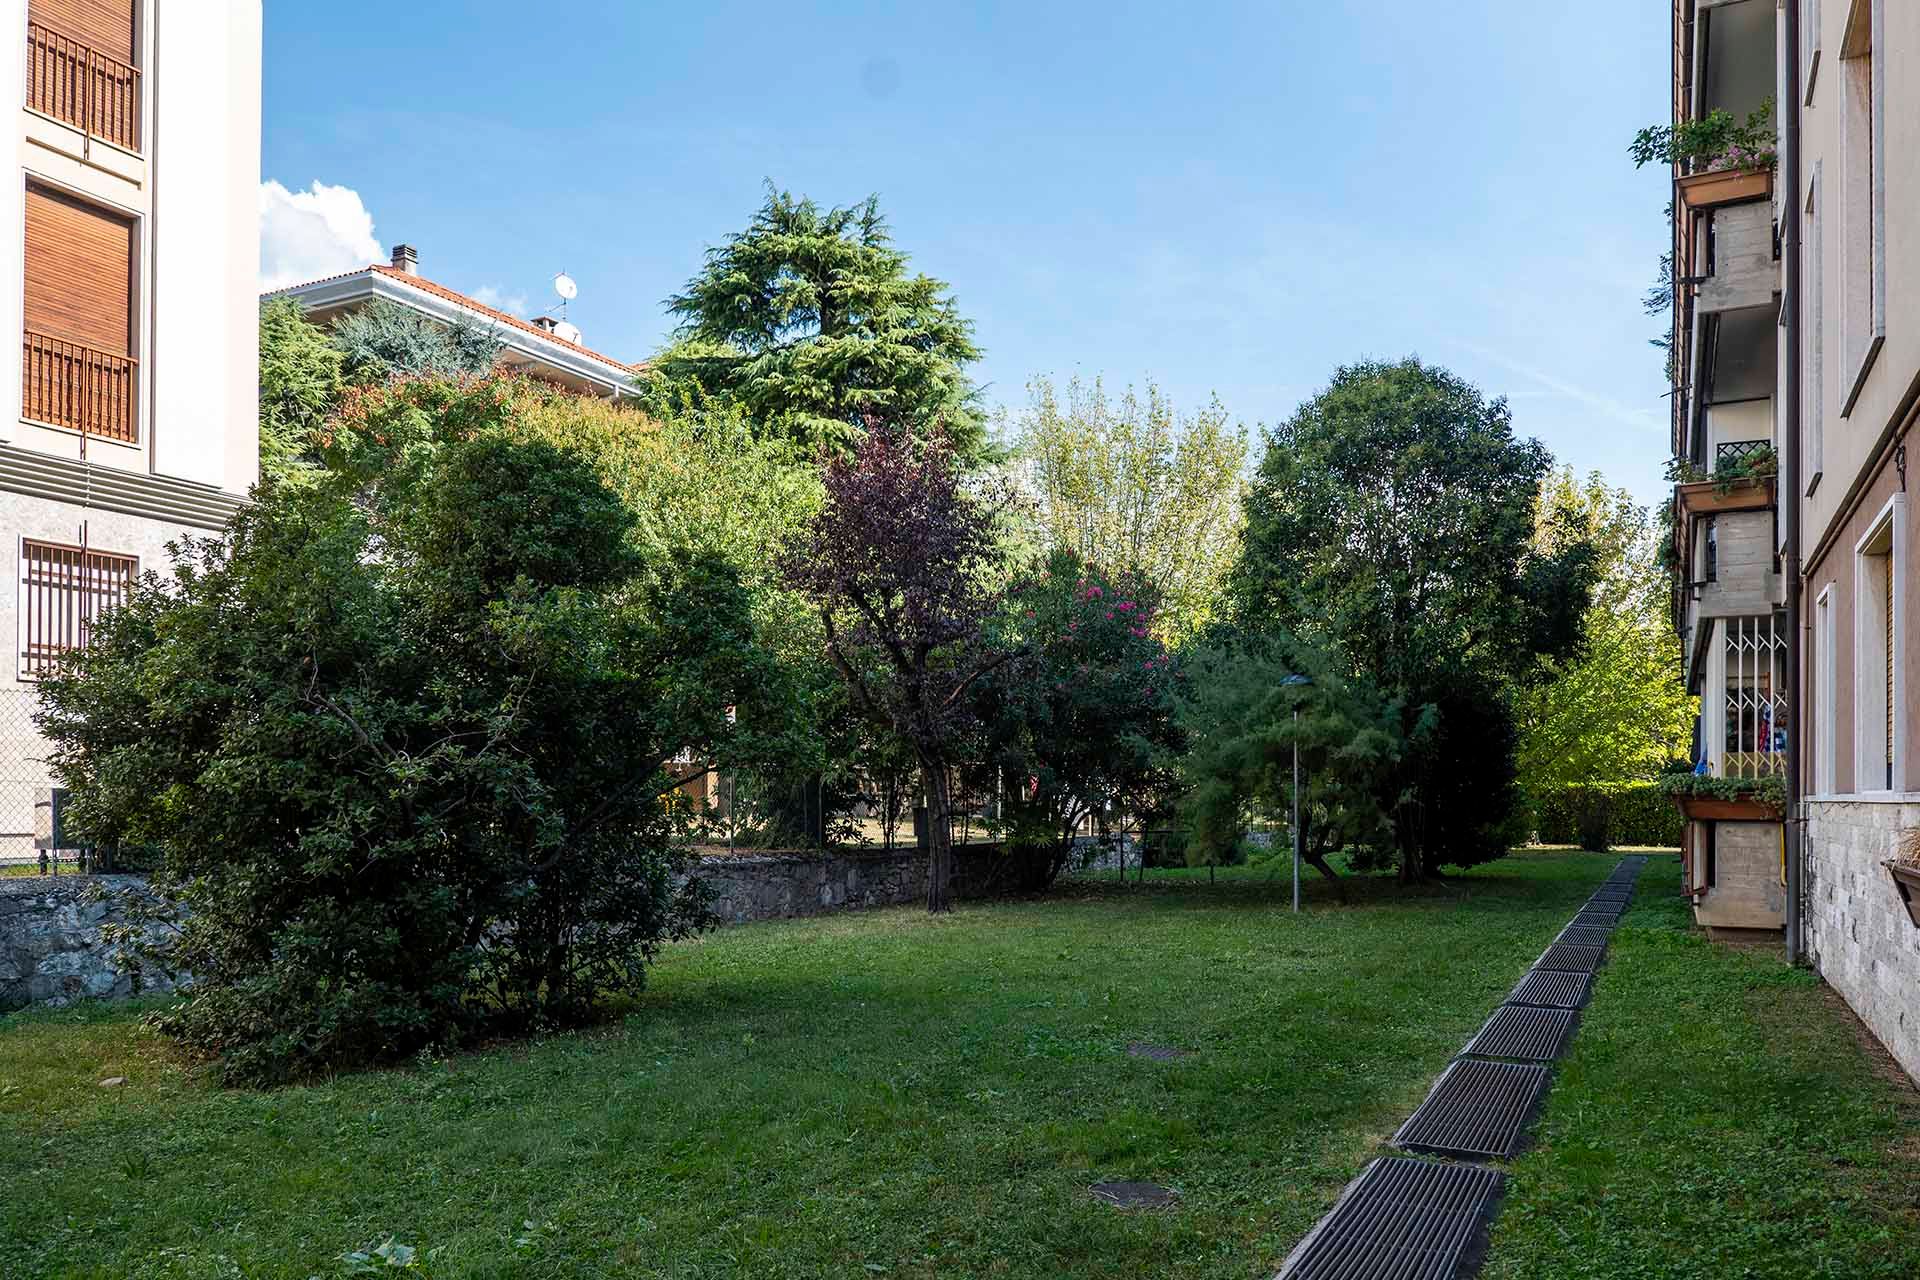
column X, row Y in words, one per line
column 1416, row 1218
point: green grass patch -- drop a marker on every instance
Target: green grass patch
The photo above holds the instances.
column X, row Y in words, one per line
column 888, row 1094
column 1716, row 1117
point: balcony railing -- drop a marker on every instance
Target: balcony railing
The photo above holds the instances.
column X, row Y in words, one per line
column 69, row 385
column 1729, row 452
column 87, row 89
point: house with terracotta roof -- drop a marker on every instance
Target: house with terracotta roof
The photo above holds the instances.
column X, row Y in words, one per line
column 543, row 347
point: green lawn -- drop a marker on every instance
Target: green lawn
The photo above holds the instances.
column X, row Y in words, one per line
column 1715, row 1118
column 889, row 1094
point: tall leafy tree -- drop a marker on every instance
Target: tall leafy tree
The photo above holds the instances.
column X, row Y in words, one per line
column 812, row 320
column 1615, row 711
column 1081, row 722
column 1391, row 525
column 300, row 383
column 900, row 562
column 1134, row 485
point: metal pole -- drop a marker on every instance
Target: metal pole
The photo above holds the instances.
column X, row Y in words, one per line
column 1296, row 809
column 1790, row 389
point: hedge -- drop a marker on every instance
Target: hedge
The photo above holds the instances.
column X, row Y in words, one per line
column 1600, row 817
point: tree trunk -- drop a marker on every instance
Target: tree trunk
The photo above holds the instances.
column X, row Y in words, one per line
column 933, row 776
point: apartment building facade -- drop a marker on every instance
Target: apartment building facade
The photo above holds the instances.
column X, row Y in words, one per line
column 1836, row 244
column 130, row 381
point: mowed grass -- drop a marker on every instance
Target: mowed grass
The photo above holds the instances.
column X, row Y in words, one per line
column 887, row 1094
column 1719, row 1115
column 880, row 1093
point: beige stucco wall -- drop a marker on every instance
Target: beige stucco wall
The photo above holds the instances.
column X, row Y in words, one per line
column 1848, row 443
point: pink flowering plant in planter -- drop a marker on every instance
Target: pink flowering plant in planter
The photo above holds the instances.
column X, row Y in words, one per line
column 1082, row 723
column 1716, row 142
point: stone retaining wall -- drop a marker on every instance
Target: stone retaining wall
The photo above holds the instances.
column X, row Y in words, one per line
column 779, row 885
column 51, row 945
column 1858, row 934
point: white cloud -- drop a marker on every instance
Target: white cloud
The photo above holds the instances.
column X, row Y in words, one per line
column 514, row 304
column 304, row 235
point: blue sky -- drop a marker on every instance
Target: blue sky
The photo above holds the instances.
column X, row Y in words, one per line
column 1229, row 198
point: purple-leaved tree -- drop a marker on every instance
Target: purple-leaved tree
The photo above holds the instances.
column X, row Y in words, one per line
column 900, row 561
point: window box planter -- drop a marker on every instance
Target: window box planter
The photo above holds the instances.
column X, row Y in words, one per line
column 1906, row 878
column 1715, row 809
column 1704, row 497
column 1710, row 190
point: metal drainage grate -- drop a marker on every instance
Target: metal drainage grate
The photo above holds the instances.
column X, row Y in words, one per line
column 1477, row 1109
column 1513, row 1031
column 1571, row 956
column 1601, row 920
column 1552, row 990
column 1583, row 935
column 1615, row 909
column 1135, row 1195
column 1399, row 1220
column 1607, row 893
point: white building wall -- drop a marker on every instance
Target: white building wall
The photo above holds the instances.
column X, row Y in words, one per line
column 193, row 191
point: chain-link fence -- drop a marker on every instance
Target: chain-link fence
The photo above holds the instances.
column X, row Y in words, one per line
column 29, row 816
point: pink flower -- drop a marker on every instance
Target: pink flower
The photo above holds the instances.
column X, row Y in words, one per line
column 1109, row 615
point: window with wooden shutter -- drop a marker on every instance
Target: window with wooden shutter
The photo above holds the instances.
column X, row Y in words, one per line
column 63, row 591
column 1886, row 605
column 79, row 370
column 82, row 66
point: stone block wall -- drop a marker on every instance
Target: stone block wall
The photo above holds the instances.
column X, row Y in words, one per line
column 779, row 885
column 1858, row 934
column 51, row 946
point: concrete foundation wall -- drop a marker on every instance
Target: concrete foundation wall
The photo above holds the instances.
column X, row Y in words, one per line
column 1858, row 933
column 1746, row 891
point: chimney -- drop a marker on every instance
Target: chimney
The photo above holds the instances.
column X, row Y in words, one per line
column 405, row 259
column 546, row 324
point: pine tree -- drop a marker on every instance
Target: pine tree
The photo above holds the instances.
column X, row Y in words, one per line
column 811, row 321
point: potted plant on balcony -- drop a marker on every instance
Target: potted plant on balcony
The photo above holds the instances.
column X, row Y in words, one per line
column 1705, row 798
column 1904, row 867
column 1715, row 143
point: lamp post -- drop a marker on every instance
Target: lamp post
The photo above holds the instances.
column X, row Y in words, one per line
column 1296, row 681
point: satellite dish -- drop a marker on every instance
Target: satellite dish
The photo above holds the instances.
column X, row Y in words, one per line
column 564, row 286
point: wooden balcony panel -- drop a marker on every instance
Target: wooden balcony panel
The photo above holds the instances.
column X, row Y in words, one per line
column 66, row 384
column 82, row 86
column 1701, row 191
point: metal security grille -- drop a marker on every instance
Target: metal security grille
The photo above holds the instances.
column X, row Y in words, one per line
column 1400, row 1220
column 63, row 591
column 1536, row 1035
column 1552, row 990
column 1477, row 1109
column 1756, row 697
column 1571, row 957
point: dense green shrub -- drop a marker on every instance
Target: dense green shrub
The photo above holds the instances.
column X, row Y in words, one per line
column 405, row 748
column 1599, row 818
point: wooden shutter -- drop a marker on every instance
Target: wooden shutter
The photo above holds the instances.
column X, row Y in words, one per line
column 103, row 25
column 79, row 285
column 63, row 591
column 1887, row 604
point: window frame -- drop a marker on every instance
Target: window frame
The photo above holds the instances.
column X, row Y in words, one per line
column 1873, row 654
column 24, row 632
